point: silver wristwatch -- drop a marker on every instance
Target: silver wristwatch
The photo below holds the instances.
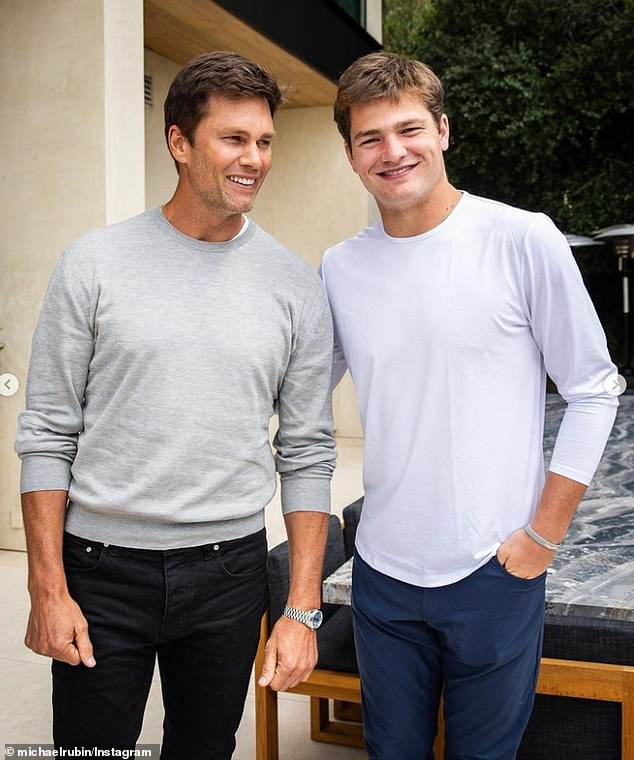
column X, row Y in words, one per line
column 311, row 618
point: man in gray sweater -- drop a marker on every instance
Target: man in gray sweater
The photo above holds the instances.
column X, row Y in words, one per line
column 164, row 346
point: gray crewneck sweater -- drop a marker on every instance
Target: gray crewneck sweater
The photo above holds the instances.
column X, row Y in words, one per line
column 157, row 362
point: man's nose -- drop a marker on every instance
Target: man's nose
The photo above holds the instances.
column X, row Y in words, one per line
column 393, row 149
column 250, row 155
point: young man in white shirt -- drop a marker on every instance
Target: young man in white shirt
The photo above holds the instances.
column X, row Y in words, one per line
column 448, row 314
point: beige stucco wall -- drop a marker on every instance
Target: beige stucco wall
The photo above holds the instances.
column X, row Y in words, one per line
column 311, row 200
column 123, row 109
column 160, row 172
column 61, row 62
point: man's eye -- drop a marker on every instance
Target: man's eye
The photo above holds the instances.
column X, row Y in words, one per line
column 266, row 144
column 369, row 141
column 411, row 130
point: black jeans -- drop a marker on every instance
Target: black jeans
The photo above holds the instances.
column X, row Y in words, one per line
column 197, row 609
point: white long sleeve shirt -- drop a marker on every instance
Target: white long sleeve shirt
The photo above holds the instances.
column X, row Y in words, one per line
column 448, row 336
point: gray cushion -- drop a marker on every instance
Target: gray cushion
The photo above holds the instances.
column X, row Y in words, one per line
column 590, row 639
column 563, row 728
column 336, row 643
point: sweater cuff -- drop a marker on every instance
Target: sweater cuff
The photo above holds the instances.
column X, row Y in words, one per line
column 44, row 473
column 302, row 494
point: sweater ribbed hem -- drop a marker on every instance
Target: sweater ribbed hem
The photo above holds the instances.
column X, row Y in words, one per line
column 143, row 534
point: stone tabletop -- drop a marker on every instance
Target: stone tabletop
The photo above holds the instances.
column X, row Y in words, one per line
column 337, row 587
column 592, row 575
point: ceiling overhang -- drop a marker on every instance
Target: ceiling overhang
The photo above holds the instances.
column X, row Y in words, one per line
column 304, row 45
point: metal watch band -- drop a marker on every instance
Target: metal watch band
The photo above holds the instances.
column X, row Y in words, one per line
column 302, row 616
column 544, row 542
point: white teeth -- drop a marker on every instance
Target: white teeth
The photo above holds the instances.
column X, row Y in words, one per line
column 392, row 172
column 243, row 180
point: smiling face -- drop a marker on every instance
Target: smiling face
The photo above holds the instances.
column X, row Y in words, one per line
column 225, row 164
column 396, row 148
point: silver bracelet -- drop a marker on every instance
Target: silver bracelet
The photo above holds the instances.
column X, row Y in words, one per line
column 530, row 531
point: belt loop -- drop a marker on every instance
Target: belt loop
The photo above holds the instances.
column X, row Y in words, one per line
column 208, row 551
column 113, row 551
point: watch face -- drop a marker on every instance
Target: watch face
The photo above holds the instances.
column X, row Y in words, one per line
column 316, row 618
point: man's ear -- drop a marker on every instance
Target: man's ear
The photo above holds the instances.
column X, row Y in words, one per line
column 178, row 145
column 443, row 129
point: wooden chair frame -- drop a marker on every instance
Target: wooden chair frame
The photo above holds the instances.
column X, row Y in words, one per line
column 563, row 678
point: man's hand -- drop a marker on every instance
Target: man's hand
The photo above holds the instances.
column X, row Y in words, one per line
column 290, row 655
column 523, row 557
column 58, row 629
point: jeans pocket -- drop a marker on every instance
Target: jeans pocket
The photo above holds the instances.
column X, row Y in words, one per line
column 526, row 581
column 80, row 554
column 243, row 557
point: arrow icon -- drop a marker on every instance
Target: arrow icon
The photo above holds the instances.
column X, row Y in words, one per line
column 615, row 384
column 9, row 384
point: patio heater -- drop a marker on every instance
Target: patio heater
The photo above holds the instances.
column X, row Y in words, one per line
column 621, row 238
column 581, row 241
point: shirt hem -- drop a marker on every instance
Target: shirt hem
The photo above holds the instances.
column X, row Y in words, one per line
column 137, row 533
column 426, row 580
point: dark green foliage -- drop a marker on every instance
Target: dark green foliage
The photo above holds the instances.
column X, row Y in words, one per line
column 540, row 99
column 540, row 96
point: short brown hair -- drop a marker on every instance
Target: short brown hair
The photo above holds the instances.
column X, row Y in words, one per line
column 219, row 73
column 385, row 75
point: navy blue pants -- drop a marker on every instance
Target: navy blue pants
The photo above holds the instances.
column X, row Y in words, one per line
column 197, row 610
column 477, row 641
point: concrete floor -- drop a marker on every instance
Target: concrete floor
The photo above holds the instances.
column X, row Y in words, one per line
column 25, row 712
